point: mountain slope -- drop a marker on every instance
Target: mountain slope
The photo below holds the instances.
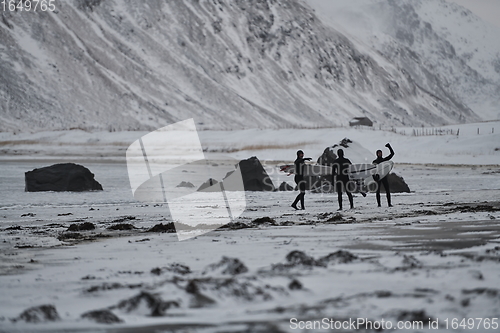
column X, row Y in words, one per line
column 443, row 46
column 125, row 65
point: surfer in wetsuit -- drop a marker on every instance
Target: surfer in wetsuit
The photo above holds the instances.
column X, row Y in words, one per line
column 340, row 178
column 383, row 181
column 299, row 179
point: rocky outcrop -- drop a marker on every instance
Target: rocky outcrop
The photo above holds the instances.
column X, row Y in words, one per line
column 104, row 316
column 61, row 177
column 146, row 304
column 39, row 314
column 207, row 186
column 397, row 184
column 285, row 187
column 255, row 177
column 227, row 266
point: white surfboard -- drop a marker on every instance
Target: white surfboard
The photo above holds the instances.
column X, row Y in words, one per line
column 365, row 174
column 363, row 171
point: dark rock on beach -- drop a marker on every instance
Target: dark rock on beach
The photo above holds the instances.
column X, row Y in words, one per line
column 207, row 186
column 121, row 226
column 410, row 261
column 235, row 226
column 61, row 177
column 146, row 302
column 123, row 219
column 185, row 184
column 329, row 155
column 255, row 177
column 295, row 285
column 339, row 257
column 229, row 266
column 285, row 187
column 300, row 258
column 211, row 288
column 38, row 314
column 69, row 235
column 174, row 268
column 414, row 316
column 198, row 299
column 397, row 184
column 265, row 219
column 169, row 227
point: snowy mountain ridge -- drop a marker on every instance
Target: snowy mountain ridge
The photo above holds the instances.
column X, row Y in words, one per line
column 124, row 65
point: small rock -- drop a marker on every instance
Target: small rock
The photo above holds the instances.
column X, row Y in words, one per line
column 300, row 258
column 295, row 285
column 151, row 304
column 414, row 316
column 254, row 176
column 207, row 186
column 81, row 226
column 121, row 226
column 339, row 257
column 410, row 261
column 169, row 227
column 265, row 219
column 61, row 177
column 102, row 317
column 64, row 214
column 173, row 268
column 123, row 219
column 285, row 187
column 185, row 184
column 230, row 266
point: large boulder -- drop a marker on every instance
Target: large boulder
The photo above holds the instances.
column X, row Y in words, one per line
column 39, row 314
column 396, row 184
column 61, row 177
column 255, row 177
column 352, row 150
column 207, row 186
column 285, row 187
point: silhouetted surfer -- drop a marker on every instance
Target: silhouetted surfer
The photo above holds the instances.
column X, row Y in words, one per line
column 384, row 181
column 340, row 177
column 299, row 179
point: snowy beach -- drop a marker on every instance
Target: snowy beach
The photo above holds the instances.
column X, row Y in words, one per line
column 433, row 256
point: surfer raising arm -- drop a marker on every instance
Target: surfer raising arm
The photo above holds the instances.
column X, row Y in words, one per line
column 381, row 159
column 383, row 181
column 299, row 179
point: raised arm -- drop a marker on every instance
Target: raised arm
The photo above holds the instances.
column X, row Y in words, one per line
column 391, row 152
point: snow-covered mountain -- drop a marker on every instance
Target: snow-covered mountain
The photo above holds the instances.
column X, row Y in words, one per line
column 126, row 65
column 443, row 46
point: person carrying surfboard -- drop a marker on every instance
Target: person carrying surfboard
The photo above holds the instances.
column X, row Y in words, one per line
column 299, row 179
column 383, row 181
column 340, row 178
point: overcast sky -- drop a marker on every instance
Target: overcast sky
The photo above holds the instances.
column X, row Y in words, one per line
column 487, row 9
